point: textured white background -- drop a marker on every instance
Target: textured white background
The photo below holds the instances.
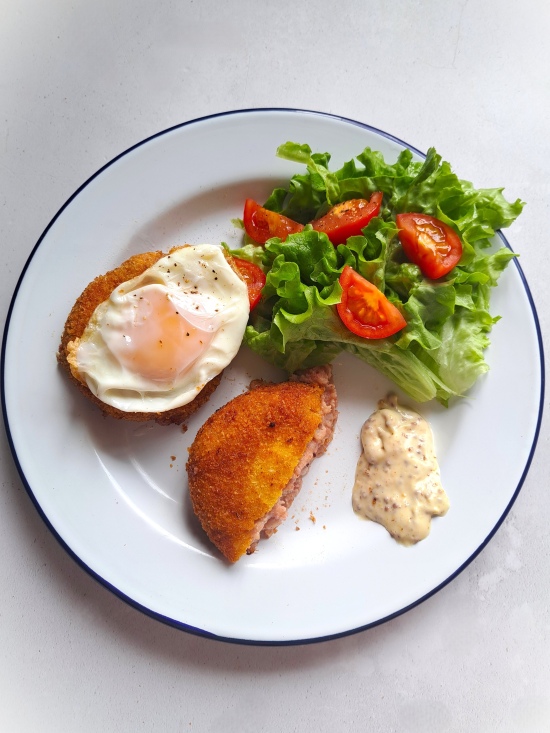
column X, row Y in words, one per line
column 79, row 83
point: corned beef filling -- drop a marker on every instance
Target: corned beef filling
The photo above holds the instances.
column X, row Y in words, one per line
column 267, row 525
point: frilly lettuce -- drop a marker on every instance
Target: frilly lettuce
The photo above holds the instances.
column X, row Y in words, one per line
column 440, row 353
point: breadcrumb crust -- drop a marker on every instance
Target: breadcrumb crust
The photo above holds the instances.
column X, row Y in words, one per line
column 244, row 456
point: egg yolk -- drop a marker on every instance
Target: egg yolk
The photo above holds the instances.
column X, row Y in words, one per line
column 158, row 338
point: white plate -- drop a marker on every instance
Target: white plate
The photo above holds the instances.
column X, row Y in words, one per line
column 115, row 497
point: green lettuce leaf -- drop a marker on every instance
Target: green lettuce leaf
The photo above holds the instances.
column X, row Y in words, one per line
column 440, row 352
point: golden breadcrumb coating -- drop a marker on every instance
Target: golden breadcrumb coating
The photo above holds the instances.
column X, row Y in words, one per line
column 244, row 456
column 95, row 293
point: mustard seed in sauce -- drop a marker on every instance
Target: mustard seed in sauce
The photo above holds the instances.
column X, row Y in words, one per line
column 397, row 480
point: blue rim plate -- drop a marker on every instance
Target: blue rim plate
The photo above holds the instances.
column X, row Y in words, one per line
column 115, row 497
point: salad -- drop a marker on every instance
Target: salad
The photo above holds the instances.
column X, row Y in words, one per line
column 391, row 262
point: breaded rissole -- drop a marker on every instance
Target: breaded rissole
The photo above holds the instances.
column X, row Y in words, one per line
column 247, row 461
column 96, row 293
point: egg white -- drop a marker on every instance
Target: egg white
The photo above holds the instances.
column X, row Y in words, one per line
column 210, row 295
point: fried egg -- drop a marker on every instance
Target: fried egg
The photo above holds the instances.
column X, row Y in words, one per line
column 159, row 338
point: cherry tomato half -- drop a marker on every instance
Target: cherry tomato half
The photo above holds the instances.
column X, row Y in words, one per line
column 429, row 243
column 365, row 310
column 348, row 218
column 254, row 278
column 262, row 224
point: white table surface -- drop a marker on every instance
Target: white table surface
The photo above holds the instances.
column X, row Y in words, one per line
column 81, row 82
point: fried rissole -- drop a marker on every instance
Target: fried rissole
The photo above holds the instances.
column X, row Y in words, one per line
column 95, row 293
column 247, row 461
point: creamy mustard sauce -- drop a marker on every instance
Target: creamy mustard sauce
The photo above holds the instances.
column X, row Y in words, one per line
column 397, row 481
